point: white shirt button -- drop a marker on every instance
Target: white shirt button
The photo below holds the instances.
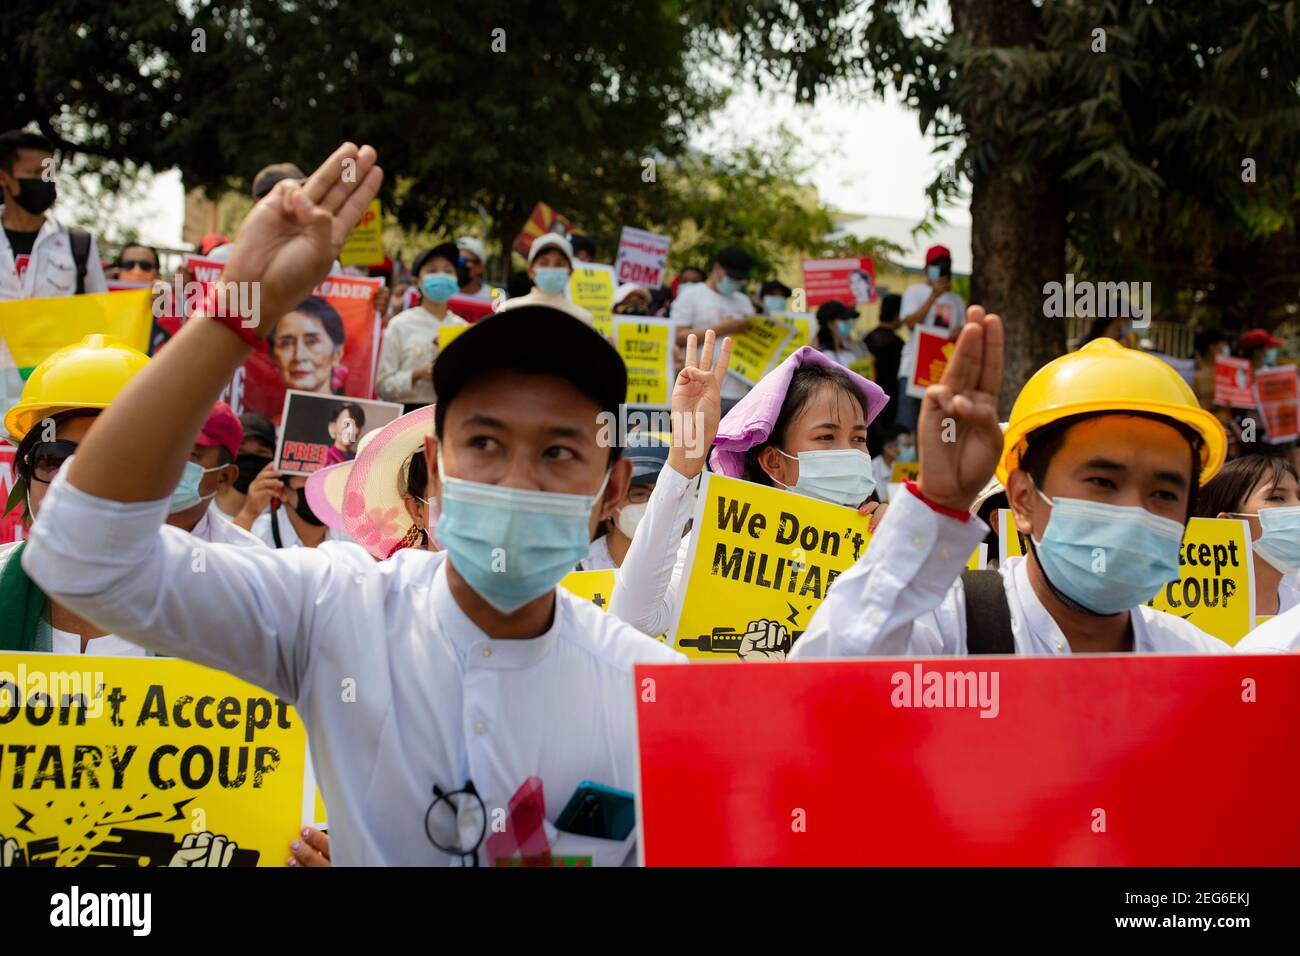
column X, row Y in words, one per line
column 487, row 652
column 943, row 551
column 480, row 727
column 1060, row 645
column 918, row 542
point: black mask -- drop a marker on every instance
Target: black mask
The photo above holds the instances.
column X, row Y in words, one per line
column 35, row 195
column 304, row 511
column 250, row 466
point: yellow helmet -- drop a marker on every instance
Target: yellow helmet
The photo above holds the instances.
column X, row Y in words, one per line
column 1103, row 376
column 89, row 374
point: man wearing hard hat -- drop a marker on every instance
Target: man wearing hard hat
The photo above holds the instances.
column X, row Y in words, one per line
column 1101, row 461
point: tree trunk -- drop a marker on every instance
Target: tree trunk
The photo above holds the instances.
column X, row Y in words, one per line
column 1018, row 225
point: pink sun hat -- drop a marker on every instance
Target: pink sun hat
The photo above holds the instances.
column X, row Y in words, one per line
column 325, row 487
column 373, row 510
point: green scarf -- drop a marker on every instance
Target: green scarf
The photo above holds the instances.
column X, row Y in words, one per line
column 21, row 604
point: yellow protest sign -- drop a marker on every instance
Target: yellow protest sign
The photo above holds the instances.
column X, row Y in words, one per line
column 905, row 471
column 591, row 285
column 139, row 761
column 364, row 245
column 646, row 347
column 595, row 586
column 866, row 367
column 1215, row 589
column 756, row 349
column 760, row 554
column 447, row 334
column 805, row 327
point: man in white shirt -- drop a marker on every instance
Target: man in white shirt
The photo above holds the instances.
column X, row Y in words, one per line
column 472, row 672
column 38, row 257
column 550, row 264
column 931, row 305
column 718, row 303
column 1102, row 457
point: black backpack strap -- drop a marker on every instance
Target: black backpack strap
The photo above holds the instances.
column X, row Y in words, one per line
column 80, row 240
column 988, row 616
column 275, row 527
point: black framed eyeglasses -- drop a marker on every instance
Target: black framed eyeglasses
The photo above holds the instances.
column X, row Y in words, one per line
column 47, row 457
column 444, row 816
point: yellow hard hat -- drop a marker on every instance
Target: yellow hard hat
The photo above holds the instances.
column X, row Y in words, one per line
column 89, row 374
column 1103, row 376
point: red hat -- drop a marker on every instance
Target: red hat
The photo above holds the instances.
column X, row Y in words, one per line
column 222, row 430
column 935, row 253
column 211, row 241
column 1257, row 339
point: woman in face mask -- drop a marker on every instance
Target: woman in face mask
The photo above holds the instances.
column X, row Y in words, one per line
column 410, row 343
column 647, row 453
column 1265, row 492
column 802, row 428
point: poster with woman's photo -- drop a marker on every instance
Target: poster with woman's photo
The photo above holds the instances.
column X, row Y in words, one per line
column 328, row 345
column 320, row 430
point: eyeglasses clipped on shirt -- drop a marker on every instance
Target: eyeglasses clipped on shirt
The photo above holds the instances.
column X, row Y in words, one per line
column 444, row 816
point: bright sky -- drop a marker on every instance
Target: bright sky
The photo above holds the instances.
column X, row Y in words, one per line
column 867, row 156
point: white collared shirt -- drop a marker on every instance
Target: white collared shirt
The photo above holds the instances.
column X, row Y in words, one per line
column 410, row 343
column 905, row 597
column 216, row 528
column 398, row 689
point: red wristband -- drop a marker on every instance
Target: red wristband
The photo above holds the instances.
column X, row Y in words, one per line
column 217, row 305
column 915, row 489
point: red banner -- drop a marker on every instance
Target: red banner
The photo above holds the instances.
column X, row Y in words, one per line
column 1232, row 384
column 329, row 344
column 851, row 281
column 1079, row 761
column 1277, row 392
column 11, row 524
column 933, row 349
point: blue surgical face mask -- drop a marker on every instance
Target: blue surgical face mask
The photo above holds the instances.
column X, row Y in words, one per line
column 512, row 545
column 551, row 279
column 1279, row 540
column 439, row 286
column 1270, row 357
column 932, row 273
column 841, row 476
column 773, row 304
column 907, row 453
column 1107, row 558
column 187, row 494
column 730, row 286
column 844, row 327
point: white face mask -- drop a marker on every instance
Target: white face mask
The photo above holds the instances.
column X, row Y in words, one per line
column 841, row 476
column 629, row 517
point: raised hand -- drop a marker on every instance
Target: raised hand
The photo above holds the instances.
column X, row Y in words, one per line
column 697, row 404
column 958, row 438
column 288, row 241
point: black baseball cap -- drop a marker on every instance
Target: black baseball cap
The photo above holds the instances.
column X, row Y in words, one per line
column 532, row 338
column 835, row 309
column 735, row 262
column 255, row 426
column 775, row 287
column 444, row 250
